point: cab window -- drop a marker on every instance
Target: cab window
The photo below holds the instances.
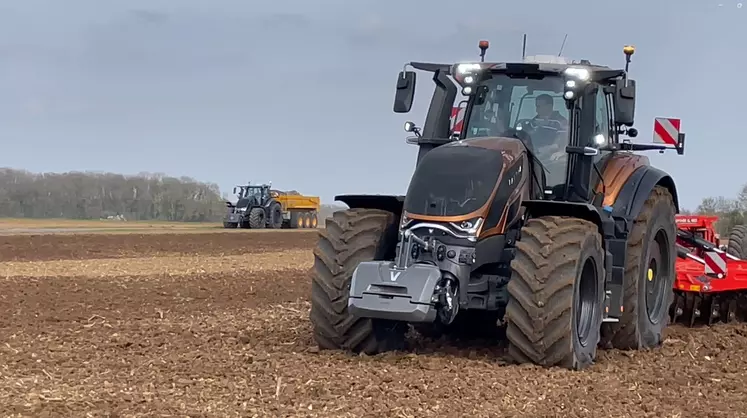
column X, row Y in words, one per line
column 524, row 104
column 602, row 130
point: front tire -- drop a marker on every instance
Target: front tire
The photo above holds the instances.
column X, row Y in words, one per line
column 556, row 293
column 651, row 249
column 349, row 238
column 257, row 218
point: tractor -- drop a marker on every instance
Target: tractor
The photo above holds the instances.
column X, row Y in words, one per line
column 256, row 208
column 537, row 218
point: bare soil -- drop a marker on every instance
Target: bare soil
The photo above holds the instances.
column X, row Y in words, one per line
column 236, row 341
column 91, row 246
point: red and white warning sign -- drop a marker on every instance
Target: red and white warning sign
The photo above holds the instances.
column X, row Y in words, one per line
column 457, row 119
column 715, row 263
column 666, row 131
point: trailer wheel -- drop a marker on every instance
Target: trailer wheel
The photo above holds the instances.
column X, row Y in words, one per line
column 257, row 218
column 649, row 277
column 230, row 225
column 307, row 220
column 556, row 293
column 737, row 245
column 349, row 238
column 276, row 216
column 314, row 219
column 296, row 220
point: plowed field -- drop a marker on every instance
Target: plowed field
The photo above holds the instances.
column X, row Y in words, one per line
column 215, row 324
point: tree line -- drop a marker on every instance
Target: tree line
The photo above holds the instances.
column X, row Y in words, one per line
column 731, row 211
column 87, row 195
column 147, row 196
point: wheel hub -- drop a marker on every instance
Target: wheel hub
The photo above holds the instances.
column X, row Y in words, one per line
column 655, row 276
column 585, row 301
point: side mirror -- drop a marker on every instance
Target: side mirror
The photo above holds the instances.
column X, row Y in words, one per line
column 405, row 92
column 234, row 190
column 625, row 102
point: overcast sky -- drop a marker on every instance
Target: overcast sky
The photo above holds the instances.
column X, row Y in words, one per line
column 300, row 92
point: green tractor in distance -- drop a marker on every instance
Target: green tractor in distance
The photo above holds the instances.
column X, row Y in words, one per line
column 256, row 208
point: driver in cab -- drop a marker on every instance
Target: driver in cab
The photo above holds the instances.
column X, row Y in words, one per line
column 546, row 113
column 550, row 119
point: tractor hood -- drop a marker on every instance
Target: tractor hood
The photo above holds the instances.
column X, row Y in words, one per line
column 244, row 203
column 460, row 179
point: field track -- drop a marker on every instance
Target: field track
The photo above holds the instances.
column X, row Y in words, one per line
column 215, row 324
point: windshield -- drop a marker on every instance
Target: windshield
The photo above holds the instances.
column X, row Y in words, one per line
column 535, row 109
column 453, row 180
column 252, row 195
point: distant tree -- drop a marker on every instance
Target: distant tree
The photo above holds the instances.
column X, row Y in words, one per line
column 731, row 212
column 89, row 195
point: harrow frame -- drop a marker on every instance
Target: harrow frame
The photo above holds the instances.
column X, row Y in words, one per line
column 710, row 284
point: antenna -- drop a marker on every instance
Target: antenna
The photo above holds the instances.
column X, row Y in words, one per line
column 524, row 48
column 563, row 45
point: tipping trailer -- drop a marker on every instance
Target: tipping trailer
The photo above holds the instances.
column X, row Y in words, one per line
column 259, row 207
column 711, row 281
column 299, row 211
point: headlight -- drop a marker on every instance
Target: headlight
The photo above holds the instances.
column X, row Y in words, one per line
column 581, row 74
column 469, row 226
column 468, row 68
column 575, row 79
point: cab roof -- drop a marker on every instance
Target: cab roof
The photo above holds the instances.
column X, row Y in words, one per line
column 599, row 72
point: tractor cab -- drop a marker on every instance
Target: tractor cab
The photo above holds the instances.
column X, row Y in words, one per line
column 570, row 116
column 251, row 195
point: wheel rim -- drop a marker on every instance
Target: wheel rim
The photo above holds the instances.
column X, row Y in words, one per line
column 300, row 222
column 586, row 301
column 656, row 275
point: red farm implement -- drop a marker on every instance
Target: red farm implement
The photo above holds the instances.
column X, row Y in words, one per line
column 711, row 282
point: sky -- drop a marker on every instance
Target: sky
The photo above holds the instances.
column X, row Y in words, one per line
column 300, row 93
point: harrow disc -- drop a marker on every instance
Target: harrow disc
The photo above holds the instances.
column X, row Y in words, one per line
column 696, row 309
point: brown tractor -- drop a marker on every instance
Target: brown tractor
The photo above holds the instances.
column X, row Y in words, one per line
column 536, row 218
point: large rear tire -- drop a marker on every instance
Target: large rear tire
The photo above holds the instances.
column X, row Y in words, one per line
column 649, row 277
column 349, row 238
column 276, row 216
column 737, row 245
column 556, row 293
column 257, row 218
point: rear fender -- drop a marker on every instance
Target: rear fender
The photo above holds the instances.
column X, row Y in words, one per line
column 389, row 203
column 638, row 188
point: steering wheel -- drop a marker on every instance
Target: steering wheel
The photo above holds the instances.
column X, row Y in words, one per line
column 525, row 124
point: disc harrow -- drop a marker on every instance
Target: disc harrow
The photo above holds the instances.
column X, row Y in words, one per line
column 711, row 283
